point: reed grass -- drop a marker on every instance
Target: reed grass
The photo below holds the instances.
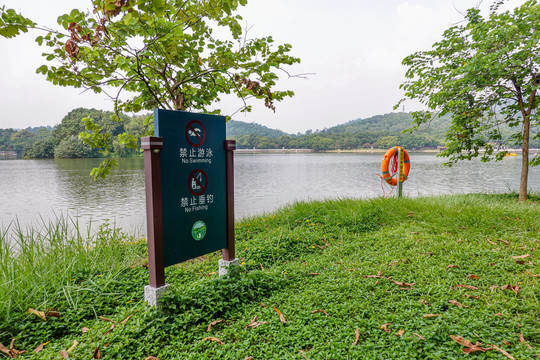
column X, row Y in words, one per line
column 39, row 265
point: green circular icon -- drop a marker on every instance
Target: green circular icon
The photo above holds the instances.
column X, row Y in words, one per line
column 198, row 230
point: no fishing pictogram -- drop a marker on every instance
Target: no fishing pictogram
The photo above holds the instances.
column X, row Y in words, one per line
column 195, row 133
column 197, row 182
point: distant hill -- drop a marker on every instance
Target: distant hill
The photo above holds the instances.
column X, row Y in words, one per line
column 392, row 123
column 237, row 129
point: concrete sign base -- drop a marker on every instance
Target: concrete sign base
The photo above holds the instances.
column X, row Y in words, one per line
column 152, row 294
column 224, row 266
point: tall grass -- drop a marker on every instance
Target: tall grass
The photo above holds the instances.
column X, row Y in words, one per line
column 39, row 265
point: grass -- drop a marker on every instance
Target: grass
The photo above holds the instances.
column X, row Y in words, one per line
column 352, row 280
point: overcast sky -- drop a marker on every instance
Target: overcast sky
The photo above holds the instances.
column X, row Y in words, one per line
column 353, row 48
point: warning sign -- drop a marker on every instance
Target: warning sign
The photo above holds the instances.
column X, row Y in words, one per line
column 197, row 182
column 195, row 133
column 193, row 183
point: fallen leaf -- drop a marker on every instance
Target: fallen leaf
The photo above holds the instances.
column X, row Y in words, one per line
column 373, row 276
column 457, row 303
column 427, row 316
column 248, row 358
column 506, row 342
column 472, row 276
column 214, row 323
column 491, row 242
column 75, row 343
column 319, row 310
column 39, row 314
column 419, row 336
column 40, row 347
column 504, row 241
column 469, row 346
column 211, row 338
column 281, row 316
column 424, row 302
column 535, row 275
column 304, row 356
column 503, row 352
column 403, row 284
column 514, row 288
column 499, row 314
column 113, row 325
column 451, row 266
column 313, row 274
column 410, row 214
column 105, row 319
column 492, row 288
column 400, row 332
column 151, row 358
column 11, row 352
column 52, row 312
column 379, row 275
column 521, row 256
column 520, row 262
column 470, row 287
column 262, row 269
column 356, row 337
column 126, row 320
column 5, row 350
column 254, row 323
column 523, row 341
column 385, row 327
column 64, row 354
column 97, row 354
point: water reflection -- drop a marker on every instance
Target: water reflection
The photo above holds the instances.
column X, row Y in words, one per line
column 31, row 189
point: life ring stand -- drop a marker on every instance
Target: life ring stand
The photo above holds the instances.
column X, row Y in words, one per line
column 389, row 178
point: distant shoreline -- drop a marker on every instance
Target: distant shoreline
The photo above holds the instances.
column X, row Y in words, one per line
column 294, row 151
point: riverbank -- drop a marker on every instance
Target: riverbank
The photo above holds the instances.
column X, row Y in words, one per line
column 380, row 278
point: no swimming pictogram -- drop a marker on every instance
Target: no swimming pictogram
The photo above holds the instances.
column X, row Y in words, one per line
column 195, row 133
column 197, row 182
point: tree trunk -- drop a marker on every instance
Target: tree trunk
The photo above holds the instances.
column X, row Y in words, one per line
column 524, row 160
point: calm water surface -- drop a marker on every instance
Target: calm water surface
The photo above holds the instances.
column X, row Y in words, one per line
column 32, row 190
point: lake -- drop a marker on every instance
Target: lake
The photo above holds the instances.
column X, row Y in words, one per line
column 36, row 190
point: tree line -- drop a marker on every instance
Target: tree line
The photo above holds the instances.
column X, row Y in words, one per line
column 63, row 141
column 321, row 141
column 377, row 132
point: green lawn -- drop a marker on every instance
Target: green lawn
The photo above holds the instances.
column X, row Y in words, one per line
column 352, row 279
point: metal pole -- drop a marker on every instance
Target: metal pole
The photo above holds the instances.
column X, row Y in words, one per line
column 154, row 216
column 400, row 173
column 229, row 252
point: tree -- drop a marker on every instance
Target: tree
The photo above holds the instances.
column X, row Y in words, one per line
column 73, row 148
column 485, row 73
column 171, row 54
column 41, row 149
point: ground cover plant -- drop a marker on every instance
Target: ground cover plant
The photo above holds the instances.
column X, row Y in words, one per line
column 447, row 277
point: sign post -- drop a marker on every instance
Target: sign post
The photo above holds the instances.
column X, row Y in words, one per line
column 154, row 219
column 229, row 253
column 400, row 176
column 190, row 191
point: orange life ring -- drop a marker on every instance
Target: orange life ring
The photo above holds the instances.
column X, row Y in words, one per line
column 386, row 161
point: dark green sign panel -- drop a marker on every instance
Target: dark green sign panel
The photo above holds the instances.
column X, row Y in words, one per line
column 193, row 185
